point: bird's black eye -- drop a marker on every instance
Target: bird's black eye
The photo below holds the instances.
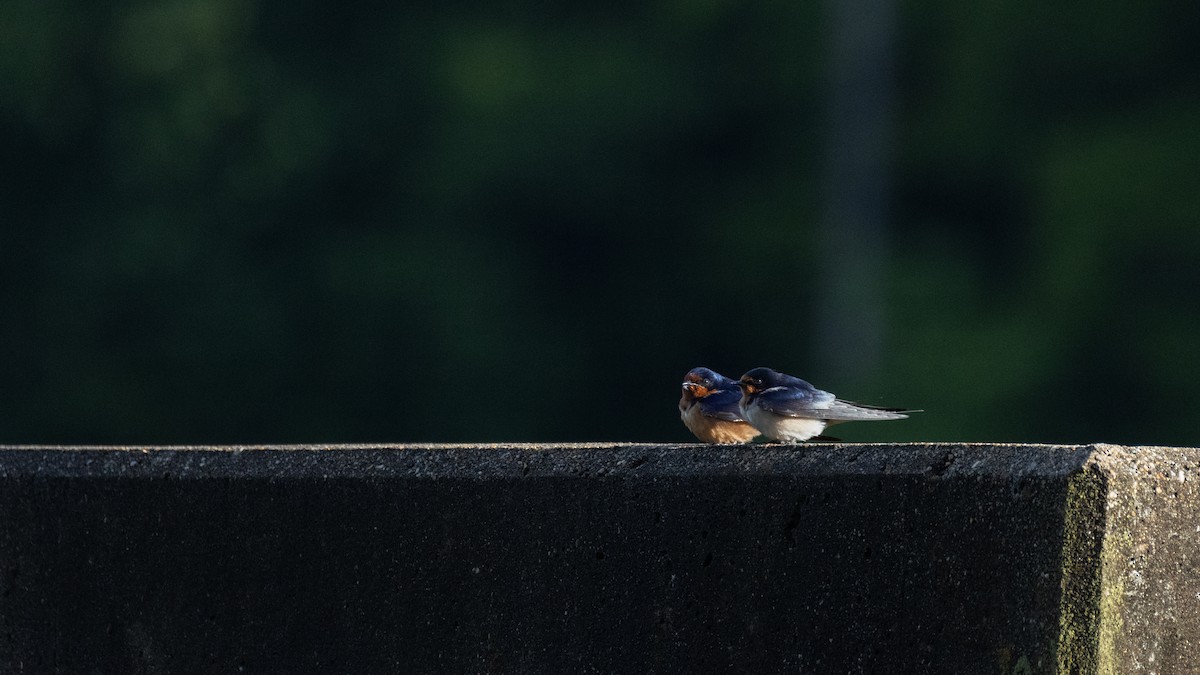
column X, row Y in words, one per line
column 751, row 384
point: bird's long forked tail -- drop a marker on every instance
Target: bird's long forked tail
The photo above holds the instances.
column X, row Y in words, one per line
column 849, row 410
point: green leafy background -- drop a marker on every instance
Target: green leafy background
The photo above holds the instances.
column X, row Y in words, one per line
column 268, row 221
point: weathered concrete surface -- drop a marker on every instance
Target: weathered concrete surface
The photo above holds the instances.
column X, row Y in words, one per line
column 599, row 558
column 1149, row 606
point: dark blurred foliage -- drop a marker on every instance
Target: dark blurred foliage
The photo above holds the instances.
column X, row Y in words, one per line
column 238, row 221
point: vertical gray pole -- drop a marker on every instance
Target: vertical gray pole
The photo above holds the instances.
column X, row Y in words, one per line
column 853, row 242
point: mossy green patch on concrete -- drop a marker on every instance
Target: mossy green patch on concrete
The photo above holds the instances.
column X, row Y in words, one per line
column 1083, row 536
column 1112, row 597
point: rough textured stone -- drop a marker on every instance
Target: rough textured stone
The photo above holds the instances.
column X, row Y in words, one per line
column 599, row 558
column 1149, row 604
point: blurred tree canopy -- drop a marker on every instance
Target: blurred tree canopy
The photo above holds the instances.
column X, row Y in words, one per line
column 291, row 222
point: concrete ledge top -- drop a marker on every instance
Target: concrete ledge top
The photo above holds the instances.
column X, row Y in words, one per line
column 506, row 460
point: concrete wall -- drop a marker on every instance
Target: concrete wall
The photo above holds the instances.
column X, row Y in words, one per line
column 600, row 558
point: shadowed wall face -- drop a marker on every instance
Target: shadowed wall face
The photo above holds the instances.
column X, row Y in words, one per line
column 636, row 559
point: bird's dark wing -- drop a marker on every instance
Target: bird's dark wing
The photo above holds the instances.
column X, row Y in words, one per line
column 801, row 399
column 723, row 405
column 808, row 402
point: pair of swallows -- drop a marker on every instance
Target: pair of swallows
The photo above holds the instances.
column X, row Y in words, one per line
column 765, row 402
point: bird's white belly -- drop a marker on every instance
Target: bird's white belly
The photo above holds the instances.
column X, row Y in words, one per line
column 783, row 428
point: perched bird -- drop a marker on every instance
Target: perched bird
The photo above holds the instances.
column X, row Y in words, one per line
column 786, row 408
column 709, row 408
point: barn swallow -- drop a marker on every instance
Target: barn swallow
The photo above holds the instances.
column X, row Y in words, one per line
column 709, row 408
column 786, row 408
